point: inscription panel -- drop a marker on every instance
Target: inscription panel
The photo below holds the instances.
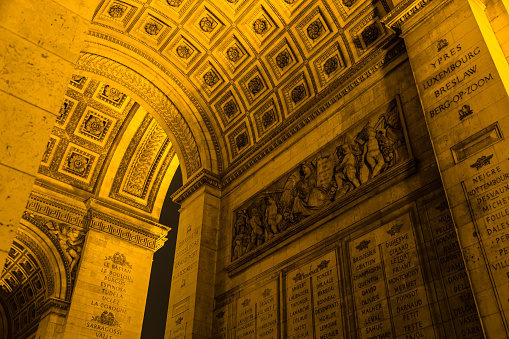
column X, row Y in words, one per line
column 461, row 303
column 313, row 300
column 258, row 311
column 116, row 283
column 488, row 199
column 388, row 288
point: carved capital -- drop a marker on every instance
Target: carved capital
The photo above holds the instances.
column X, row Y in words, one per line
column 50, row 207
column 204, row 177
column 149, row 239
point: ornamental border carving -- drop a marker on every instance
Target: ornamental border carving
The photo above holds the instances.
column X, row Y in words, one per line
column 404, row 11
column 116, row 192
column 37, row 203
column 204, row 177
column 82, row 219
column 112, row 225
column 137, row 83
column 54, row 302
column 38, row 222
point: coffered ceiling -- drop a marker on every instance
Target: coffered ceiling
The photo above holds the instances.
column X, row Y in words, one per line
column 105, row 145
column 251, row 67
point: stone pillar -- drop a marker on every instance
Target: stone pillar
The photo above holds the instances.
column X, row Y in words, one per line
column 190, row 308
column 39, row 44
column 463, row 80
column 111, row 286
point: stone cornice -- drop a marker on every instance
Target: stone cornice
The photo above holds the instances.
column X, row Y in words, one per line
column 106, row 223
column 203, row 177
column 404, row 11
column 91, row 202
column 99, row 215
column 49, row 206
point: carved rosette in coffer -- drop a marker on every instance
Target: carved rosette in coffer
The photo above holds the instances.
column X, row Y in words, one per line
column 365, row 156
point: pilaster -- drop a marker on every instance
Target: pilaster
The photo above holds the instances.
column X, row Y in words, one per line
column 190, row 309
column 112, row 283
column 462, row 78
column 106, row 254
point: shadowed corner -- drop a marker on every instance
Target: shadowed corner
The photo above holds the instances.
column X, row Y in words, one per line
column 154, row 321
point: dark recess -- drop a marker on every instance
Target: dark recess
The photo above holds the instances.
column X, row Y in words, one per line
column 154, row 321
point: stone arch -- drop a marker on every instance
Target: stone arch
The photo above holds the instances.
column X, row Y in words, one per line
column 35, row 274
column 5, row 320
column 53, row 260
column 191, row 140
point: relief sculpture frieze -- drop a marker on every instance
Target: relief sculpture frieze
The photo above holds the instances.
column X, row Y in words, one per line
column 367, row 150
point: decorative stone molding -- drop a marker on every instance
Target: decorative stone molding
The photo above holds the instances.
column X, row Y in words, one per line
column 135, row 82
column 42, row 204
column 115, row 226
column 48, row 208
column 204, row 177
column 143, row 166
column 66, row 239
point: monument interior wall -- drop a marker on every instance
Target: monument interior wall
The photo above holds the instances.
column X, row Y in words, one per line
column 343, row 161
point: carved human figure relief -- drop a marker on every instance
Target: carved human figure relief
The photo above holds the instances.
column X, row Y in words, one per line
column 362, row 153
column 71, row 241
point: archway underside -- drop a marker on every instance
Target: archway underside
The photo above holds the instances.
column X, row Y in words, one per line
column 241, row 75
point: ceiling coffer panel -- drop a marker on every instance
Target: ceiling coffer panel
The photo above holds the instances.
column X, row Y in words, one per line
column 250, row 65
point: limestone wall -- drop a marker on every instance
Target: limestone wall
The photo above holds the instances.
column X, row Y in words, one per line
column 381, row 258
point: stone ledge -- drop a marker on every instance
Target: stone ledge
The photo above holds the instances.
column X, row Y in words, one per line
column 383, row 181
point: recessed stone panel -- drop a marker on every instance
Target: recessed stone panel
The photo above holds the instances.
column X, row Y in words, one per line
column 209, row 78
column 261, row 24
column 78, row 162
column 234, row 53
column 183, row 51
column 117, row 13
column 267, row 117
column 368, row 31
column 95, row 126
column 297, row 92
column 239, row 140
column 329, row 64
column 152, row 29
column 228, row 108
column 283, row 58
column 254, row 85
column 315, row 28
